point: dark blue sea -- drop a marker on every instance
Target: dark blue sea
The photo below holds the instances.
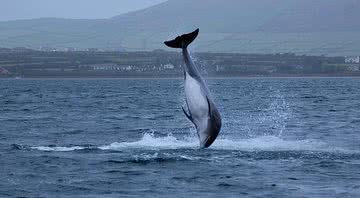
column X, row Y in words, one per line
column 281, row 137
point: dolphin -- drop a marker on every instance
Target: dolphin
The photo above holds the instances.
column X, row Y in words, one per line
column 202, row 111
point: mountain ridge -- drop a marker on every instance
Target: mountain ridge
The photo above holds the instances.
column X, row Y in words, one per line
column 326, row 27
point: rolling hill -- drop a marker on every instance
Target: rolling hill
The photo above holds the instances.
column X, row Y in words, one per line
column 328, row 27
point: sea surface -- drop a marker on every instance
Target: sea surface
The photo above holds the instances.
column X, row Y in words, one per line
column 281, row 137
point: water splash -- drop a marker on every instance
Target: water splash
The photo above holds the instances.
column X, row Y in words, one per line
column 259, row 121
column 278, row 113
column 150, row 142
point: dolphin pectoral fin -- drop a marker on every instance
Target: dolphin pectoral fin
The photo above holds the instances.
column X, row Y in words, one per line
column 187, row 115
column 184, row 74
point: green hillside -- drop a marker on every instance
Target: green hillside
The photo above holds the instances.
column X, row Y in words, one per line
column 320, row 27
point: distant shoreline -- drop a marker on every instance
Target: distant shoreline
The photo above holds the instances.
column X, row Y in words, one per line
column 163, row 64
column 180, row 77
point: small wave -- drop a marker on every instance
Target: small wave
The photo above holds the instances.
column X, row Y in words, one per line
column 159, row 157
column 163, row 157
column 58, row 148
column 150, row 142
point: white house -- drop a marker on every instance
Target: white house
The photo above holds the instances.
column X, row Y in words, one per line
column 352, row 59
column 169, row 66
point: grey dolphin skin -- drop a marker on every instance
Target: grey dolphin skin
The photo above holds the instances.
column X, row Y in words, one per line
column 202, row 111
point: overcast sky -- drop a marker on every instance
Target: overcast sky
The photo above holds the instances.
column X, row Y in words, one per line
column 77, row 9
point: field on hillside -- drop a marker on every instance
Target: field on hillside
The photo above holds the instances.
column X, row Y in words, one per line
column 329, row 44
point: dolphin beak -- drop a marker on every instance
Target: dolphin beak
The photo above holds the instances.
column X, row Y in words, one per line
column 206, row 142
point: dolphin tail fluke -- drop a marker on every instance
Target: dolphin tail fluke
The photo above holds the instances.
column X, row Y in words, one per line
column 182, row 41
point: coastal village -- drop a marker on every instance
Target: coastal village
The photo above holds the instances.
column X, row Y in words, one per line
column 49, row 63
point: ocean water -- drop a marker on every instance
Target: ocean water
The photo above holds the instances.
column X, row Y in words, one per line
column 281, row 137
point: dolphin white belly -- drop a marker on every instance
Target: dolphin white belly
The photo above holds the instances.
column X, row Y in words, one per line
column 196, row 101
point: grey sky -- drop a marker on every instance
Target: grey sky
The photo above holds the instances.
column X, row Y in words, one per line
column 77, row 9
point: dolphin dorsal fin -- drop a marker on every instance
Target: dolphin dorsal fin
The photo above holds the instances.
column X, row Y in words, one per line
column 209, row 106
